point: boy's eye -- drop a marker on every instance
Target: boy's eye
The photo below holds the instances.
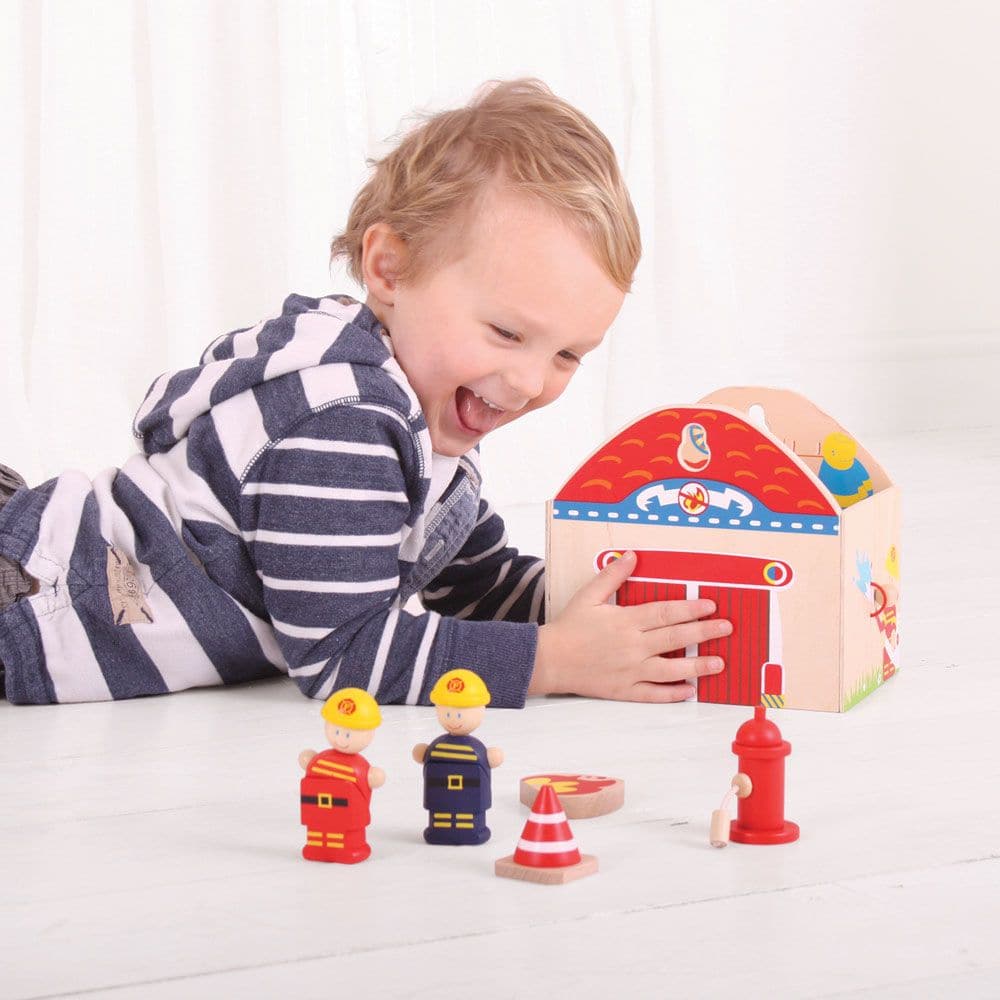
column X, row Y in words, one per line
column 570, row 356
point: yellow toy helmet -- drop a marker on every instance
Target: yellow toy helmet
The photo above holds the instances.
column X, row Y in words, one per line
column 352, row 708
column 460, row 689
column 839, row 450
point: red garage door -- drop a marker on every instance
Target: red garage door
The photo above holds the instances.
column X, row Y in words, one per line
column 745, row 651
column 741, row 587
column 643, row 591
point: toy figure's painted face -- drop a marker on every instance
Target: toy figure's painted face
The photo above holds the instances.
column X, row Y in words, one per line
column 839, row 450
column 348, row 740
column 499, row 332
column 460, row 721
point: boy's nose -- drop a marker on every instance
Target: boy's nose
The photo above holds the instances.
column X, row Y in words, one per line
column 526, row 383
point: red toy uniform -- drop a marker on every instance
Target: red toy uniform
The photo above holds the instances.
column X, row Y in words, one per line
column 335, row 796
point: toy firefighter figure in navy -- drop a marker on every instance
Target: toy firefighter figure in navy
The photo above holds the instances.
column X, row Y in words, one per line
column 456, row 765
column 338, row 783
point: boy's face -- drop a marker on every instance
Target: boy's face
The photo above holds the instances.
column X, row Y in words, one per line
column 498, row 332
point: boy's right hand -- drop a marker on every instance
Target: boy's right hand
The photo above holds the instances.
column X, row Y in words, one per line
column 601, row 650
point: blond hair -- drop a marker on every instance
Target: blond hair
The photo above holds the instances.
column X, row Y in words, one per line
column 517, row 131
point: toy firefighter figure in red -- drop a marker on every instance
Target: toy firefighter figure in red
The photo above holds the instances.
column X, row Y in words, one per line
column 338, row 784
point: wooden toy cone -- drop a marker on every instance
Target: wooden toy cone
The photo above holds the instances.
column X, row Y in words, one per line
column 547, row 841
column 547, row 851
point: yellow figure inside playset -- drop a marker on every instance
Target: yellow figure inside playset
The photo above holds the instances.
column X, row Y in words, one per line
column 841, row 472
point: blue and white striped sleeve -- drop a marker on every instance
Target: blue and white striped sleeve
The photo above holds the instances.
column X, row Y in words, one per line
column 489, row 580
column 324, row 513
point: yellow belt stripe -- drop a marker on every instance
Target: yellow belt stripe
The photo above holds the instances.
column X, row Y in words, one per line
column 455, row 746
column 452, row 756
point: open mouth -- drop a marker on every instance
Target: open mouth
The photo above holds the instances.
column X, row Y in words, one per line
column 477, row 416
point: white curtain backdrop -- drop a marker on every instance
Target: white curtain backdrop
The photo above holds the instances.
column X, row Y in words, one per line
column 816, row 184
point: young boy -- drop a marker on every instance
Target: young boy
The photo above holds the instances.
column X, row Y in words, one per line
column 317, row 470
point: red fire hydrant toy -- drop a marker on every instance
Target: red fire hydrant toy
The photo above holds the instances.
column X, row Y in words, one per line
column 759, row 788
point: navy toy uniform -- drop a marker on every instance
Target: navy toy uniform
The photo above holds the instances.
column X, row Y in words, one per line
column 457, row 791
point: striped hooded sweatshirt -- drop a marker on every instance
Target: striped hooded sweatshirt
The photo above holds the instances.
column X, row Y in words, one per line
column 278, row 519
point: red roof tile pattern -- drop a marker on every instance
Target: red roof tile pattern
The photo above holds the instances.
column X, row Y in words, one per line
column 739, row 454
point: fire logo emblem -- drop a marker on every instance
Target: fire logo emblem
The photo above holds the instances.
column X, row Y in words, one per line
column 693, row 498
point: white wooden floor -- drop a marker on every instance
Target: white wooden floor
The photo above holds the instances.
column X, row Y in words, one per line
column 151, row 849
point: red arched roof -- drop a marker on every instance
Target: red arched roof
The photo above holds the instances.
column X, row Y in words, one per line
column 741, row 455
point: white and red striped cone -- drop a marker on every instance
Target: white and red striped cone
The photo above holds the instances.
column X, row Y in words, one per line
column 547, row 841
column 547, row 851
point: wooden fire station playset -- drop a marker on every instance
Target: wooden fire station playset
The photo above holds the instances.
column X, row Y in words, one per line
column 753, row 498
column 726, row 500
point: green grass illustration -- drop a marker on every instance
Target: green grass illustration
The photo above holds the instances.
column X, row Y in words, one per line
column 863, row 688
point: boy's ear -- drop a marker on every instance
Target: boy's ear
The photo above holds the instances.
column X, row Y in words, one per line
column 383, row 255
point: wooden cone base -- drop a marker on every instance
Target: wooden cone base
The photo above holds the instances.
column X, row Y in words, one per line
column 509, row 868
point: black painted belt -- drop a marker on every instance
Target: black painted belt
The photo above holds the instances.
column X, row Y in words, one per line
column 443, row 783
column 313, row 800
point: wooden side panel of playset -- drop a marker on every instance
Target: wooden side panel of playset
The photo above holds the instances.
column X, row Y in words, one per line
column 870, row 595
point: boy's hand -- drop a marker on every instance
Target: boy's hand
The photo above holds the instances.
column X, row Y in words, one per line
column 604, row 651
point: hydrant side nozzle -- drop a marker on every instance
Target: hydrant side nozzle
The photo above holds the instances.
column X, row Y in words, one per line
column 742, row 785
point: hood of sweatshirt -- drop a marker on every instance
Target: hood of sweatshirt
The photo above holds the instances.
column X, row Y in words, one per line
column 308, row 334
